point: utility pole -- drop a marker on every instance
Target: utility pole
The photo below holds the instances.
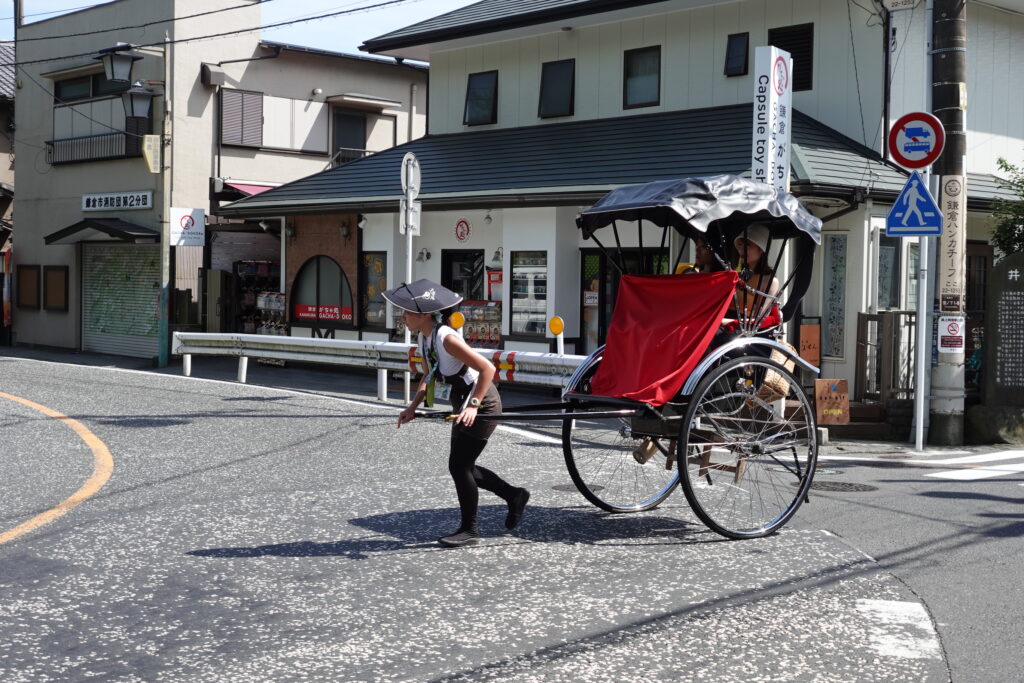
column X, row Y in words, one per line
column 949, row 104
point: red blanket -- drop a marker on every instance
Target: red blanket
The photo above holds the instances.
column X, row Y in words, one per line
column 661, row 327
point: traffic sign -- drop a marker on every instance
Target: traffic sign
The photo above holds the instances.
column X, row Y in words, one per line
column 916, row 140
column 915, row 212
column 411, row 176
column 410, row 216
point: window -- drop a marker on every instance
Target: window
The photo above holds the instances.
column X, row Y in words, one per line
column 557, row 88
column 86, row 87
column 462, row 271
column 55, row 288
column 529, row 292
column 913, row 265
column 737, row 54
column 241, row 118
column 374, row 279
column 641, row 85
column 835, row 296
column 321, row 296
column 349, row 136
column 798, row 41
column 889, row 272
column 481, row 99
column 27, row 287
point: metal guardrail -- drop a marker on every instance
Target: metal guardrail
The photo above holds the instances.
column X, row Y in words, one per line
column 524, row 367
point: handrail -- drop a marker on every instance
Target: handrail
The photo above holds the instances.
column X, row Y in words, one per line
column 524, row 367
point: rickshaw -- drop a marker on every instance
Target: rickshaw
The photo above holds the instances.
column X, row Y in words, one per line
column 682, row 394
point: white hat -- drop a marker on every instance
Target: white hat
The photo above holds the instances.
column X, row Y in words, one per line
column 757, row 233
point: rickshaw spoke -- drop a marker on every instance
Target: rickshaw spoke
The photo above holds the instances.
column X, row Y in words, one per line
column 738, row 473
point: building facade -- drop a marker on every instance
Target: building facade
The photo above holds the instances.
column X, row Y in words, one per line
column 229, row 117
column 537, row 109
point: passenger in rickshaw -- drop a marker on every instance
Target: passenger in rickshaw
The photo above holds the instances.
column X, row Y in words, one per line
column 704, row 259
column 755, row 274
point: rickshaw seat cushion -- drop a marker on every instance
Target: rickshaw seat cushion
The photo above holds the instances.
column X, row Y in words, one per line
column 660, row 329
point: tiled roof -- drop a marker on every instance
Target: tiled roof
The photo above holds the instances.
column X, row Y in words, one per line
column 492, row 15
column 577, row 162
column 7, row 69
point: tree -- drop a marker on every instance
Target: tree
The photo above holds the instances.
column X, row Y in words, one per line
column 1008, row 231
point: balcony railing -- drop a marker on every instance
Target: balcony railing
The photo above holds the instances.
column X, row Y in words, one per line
column 116, row 145
column 344, row 155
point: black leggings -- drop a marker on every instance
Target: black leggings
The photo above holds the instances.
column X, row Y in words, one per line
column 466, row 446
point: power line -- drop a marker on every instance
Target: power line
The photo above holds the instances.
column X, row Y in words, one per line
column 53, row 11
column 218, row 35
column 148, row 23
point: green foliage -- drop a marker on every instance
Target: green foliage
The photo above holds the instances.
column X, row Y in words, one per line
column 1008, row 231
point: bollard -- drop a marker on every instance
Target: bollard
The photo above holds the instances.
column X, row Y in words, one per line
column 557, row 327
column 243, row 368
column 186, row 364
column 382, row 385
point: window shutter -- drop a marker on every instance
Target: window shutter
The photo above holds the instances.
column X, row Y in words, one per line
column 798, row 41
column 252, row 119
column 230, row 117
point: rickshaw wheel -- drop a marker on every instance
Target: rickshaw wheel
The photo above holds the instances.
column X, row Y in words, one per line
column 746, row 467
column 613, row 469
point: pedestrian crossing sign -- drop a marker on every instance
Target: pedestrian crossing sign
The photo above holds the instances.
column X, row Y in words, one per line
column 915, row 212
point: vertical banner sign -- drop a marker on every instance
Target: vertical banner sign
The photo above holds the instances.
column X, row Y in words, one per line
column 952, row 245
column 152, row 152
column 773, row 106
column 188, row 227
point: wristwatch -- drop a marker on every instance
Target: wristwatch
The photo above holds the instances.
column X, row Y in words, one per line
column 474, row 402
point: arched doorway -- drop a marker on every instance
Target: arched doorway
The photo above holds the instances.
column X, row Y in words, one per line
column 322, row 298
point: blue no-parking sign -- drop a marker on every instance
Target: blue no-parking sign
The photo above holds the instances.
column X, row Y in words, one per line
column 915, row 212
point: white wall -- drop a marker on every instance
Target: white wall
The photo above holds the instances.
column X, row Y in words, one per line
column 995, row 68
column 693, row 56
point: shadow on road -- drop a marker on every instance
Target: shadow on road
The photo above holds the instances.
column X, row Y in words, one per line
column 419, row 529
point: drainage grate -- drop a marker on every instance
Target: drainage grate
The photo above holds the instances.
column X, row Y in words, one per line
column 841, row 486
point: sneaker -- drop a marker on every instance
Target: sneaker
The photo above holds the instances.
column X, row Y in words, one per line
column 459, row 539
column 516, row 504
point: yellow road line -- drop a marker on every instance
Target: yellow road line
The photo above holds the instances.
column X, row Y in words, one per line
column 103, row 467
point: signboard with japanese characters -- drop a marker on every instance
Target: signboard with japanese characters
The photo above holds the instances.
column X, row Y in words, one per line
column 951, row 333
column 773, row 96
column 1003, row 369
column 952, row 265
column 118, row 201
column 188, row 227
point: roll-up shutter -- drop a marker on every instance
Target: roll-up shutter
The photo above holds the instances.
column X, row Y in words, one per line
column 120, row 299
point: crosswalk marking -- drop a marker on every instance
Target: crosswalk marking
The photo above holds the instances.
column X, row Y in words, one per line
column 984, row 457
column 970, row 474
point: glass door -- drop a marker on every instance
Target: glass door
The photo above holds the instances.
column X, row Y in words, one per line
column 599, row 288
column 462, row 271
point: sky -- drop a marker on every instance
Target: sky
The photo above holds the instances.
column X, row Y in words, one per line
column 340, row 34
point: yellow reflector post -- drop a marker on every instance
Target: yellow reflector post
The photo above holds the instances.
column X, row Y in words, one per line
column 556, row 325
column 457, row 320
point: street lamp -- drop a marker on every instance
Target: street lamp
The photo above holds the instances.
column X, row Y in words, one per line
column 137, row 100
column 117, row 62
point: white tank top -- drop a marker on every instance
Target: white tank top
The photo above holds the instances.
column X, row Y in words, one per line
column 448, row 364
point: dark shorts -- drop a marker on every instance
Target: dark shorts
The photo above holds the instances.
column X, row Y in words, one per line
column 491, row 403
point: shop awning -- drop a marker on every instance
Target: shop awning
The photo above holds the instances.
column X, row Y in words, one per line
column 103, row 230
column 249, row 189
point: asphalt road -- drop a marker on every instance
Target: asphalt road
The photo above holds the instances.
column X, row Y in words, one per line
column 254, row 533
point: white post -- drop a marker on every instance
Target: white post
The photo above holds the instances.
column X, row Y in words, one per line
column 186, row 364
column 243, row 368
column 382, row 385
column 560, row 343
column 407, row 376
column 923, row 350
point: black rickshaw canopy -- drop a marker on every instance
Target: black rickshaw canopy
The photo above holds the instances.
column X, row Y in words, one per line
column 694, row 204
